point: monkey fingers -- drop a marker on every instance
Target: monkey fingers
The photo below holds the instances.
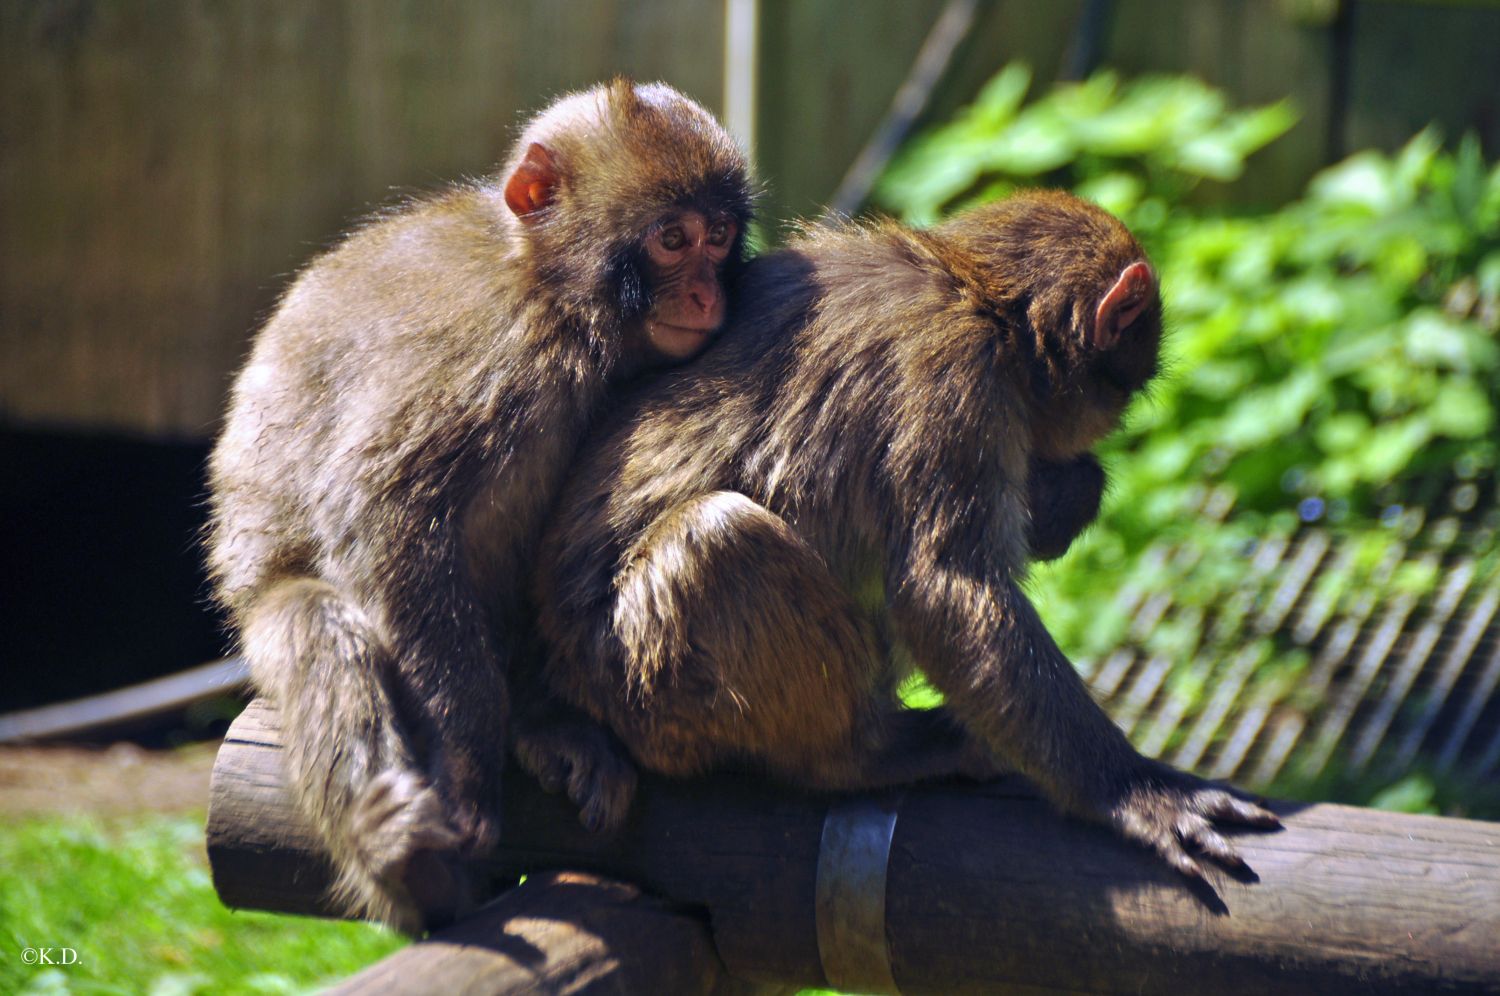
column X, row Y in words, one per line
column 1229, row 805
column 577, row 755
column 1195, row 830
column 466, row 774
column 1172, row 812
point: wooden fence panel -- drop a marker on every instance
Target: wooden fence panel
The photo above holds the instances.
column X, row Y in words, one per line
column 828, row 71
column 1412, row 63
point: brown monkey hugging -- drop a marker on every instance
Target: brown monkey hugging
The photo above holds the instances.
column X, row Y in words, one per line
column 399, row 432
column 744, row 565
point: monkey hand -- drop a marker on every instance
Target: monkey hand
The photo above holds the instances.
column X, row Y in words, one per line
column 576, row 754
column 1173, row 813
column 1064, row 498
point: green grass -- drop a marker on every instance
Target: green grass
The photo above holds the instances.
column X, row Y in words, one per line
column 133, row 898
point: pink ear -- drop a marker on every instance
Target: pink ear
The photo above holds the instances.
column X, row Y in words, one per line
column 1123, row 304
column 533, row 185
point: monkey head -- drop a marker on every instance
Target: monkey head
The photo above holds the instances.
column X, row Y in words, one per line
column 629, row 202
column 1074, row 289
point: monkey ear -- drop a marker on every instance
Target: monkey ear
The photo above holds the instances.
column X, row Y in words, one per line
column 533, row 185
column 1123, row 304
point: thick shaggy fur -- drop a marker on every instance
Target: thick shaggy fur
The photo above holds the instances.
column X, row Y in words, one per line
column 391, row 448
column 744, row 565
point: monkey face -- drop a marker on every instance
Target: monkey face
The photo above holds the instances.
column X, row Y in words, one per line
column 685, row 256
column 628, row 203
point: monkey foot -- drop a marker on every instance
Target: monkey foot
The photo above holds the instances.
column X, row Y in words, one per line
column 412, row 851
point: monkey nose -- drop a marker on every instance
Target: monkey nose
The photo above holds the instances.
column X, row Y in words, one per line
column 704, row 298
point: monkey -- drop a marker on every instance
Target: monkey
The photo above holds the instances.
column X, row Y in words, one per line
column 567, row 750
column 748, row 559
column 396, row 437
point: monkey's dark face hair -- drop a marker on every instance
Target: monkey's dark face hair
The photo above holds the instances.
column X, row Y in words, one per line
column 629, row 157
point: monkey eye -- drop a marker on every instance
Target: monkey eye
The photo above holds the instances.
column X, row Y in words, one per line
column 673, row 238
column 720, row 233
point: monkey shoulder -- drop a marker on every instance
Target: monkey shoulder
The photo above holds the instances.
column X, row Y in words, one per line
column 404, row 292
column 457, row 234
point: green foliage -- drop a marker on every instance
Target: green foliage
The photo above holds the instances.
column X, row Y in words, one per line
column 1344, row 342
column 1136, row 148
column 136, row 903
column 1350, row 336
column 1322, row 359
column 1341, row 343
column 1418, row 791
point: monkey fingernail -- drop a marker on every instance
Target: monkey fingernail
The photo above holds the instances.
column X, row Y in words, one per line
column 1256, row 816
column 1188, row 866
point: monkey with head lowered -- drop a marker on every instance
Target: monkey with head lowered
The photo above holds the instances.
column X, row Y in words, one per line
column 397, row 435
column 745, row 562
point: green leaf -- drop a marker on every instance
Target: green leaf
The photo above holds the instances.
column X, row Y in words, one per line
column 1343, row 432
column 1365, row 180
column 1213, row 155
column 1251, row 130
column 1431, row 338
column 1462, row 410
column 1412, row 794
column 1035, row 143
column 1118, row 193
column 1469, row 177
column 1391, row 446
column 1001, row 97
column 1413, row 164
column 1266, row 414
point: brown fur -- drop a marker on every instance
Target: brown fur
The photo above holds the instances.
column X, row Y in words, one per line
column 391, row 447
column 742, row 568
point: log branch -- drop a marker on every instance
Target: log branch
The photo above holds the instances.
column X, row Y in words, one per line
column 560, row 932
column 986, row 888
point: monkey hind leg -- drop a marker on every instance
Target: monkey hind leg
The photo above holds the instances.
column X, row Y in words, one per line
column 313, row 651
column 739, row 645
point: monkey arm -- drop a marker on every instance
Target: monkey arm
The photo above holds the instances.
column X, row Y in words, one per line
column 959, row 607
column 1063, row 499
column 982, row 644
column 986, row 649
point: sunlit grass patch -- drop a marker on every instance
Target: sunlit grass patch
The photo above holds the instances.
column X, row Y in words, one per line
column 127, row 906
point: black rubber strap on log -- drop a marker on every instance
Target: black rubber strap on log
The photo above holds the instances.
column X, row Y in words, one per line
column 852, row 860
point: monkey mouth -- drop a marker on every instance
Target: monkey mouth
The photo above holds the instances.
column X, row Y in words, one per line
column 704, row 330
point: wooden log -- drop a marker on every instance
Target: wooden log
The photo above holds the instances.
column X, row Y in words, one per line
column 560, row 932
column 986, row 888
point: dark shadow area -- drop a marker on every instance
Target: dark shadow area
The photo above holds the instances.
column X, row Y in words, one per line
column 103, row 583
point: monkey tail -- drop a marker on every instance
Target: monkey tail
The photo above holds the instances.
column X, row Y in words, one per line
column 314, row 652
